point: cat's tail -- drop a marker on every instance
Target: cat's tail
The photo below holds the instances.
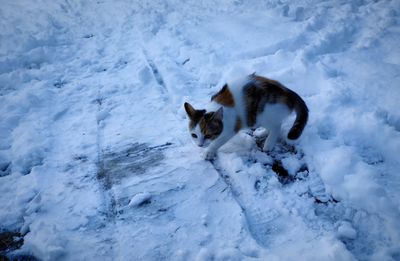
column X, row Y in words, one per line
column 301, row 117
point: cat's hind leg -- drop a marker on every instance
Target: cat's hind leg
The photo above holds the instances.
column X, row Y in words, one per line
column 272, row 138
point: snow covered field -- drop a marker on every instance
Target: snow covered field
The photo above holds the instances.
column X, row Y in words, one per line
column 96, row 162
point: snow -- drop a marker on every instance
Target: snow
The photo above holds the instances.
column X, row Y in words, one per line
column 347, row 231
column 96, row 161
column 139, row 199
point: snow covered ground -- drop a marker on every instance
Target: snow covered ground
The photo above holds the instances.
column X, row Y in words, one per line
column 96, row 162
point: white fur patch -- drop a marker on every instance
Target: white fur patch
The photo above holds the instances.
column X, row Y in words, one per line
column 236, row 87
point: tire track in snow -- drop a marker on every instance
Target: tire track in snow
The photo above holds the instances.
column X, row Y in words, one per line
column 154, row 70
column 263, row 218
column 109, row 197
column 156, row 74
column 257, row 219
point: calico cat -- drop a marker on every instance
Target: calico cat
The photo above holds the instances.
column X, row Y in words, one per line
column 250, row 102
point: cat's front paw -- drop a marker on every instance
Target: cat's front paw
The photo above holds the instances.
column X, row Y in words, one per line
column 209, row 155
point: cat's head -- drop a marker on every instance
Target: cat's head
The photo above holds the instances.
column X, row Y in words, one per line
column 204, row 126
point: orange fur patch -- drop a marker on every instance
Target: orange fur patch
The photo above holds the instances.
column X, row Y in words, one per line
column 224, row 97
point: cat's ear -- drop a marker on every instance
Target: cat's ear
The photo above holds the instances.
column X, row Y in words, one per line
column 218, row 114
column 189, row 110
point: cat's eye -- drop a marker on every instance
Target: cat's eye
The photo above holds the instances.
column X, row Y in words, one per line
column 194, row 135
column 207, row 136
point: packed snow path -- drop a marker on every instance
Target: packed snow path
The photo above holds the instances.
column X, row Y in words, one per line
column 95, row 158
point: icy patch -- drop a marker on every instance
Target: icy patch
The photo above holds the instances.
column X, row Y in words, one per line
column 134, row 159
